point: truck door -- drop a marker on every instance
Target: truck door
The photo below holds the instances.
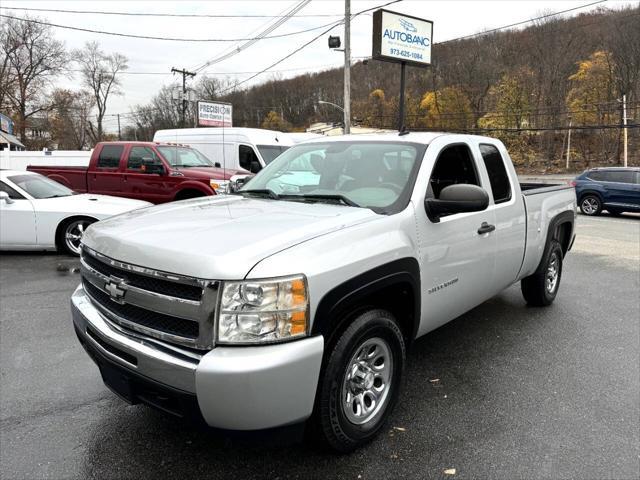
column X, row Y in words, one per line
column 142, row 185
column 104, row 176
column 508, row 207
column 457, row 260
column 17, row 219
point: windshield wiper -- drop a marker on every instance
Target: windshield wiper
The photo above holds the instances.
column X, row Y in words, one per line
column 263, row 191
column 57, row 196
column 323, row 196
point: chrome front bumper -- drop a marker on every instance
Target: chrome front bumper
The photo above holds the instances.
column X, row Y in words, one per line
column 237, row 388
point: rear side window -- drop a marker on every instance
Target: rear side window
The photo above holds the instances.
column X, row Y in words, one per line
column 137, row 154
column 598, row 176
column 498, row 177
column 110, row 156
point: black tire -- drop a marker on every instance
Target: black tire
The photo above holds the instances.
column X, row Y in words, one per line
column 187, row 194
column 591, row 205
column 614, row 212
column 65, row 245
column 538, row 289
column 372, row 331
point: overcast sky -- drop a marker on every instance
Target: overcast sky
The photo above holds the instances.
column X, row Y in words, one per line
column 451, row 19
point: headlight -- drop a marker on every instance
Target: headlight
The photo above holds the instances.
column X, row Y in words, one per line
column 263, row 311
column 219, row 186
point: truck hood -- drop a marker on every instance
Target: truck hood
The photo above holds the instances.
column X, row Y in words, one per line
column 218, row 238
column 98, row 206
column 206, row 173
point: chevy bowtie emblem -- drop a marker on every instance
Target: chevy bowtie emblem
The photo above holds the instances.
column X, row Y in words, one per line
column 116, row 287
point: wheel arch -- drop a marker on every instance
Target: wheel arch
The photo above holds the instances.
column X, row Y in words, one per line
column 185, row 187
column 561, row 228
column 64, row 221
column 394, row 286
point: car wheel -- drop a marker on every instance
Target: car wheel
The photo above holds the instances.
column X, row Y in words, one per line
column 591, row 205
column 70, row 234
column 361, row 379
column 614, row 212
column 541, row 288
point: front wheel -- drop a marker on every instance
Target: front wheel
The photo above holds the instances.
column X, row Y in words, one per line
column 591, row 205
column 361, row 379
column 540, row 288
column 70, row 234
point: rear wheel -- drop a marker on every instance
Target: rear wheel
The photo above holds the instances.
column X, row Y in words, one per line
column 69, row 236
column 360, row 381
column 541, row 288
column 591, row 205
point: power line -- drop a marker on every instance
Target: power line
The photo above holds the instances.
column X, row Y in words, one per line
column 170, row 39
column 521, row 22
column 181, row 15
column 304, row 46
column 270, row 28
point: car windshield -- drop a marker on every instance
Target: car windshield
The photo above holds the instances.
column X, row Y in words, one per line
column 376, row 175
column 270, row 152
column 39, row 186
column 183, row 157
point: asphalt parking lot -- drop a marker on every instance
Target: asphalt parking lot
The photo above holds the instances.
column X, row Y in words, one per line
column 505, row 391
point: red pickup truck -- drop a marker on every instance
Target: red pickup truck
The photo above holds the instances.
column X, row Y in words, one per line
column 154, row 172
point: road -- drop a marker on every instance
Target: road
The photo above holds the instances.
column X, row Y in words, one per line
column 520, row 392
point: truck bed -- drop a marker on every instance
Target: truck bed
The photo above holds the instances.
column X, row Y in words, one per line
column 74, row 178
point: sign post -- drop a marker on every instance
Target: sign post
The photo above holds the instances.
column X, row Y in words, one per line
column 402, row 39
column 215, row 114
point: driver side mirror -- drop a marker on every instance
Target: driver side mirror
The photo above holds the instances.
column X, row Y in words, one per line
column 4, row 196
column 149, row 165
column 456, row 199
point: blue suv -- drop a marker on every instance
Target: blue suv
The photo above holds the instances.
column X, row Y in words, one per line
column 616, row 190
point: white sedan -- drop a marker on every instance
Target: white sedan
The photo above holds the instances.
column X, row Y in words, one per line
column 37, row 213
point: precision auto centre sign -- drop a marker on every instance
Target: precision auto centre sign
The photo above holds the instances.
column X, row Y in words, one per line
column 215, row 114
column 402, row 38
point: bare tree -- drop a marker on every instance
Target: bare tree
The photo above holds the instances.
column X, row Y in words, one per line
column 70, row 118
column 99, row 75
column 34, row 59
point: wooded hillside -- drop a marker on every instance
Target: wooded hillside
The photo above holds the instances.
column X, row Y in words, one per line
column 525, row 86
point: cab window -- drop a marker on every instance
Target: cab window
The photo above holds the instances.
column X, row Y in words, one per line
column 110, row 156
column 453, row 166
column 248, row 159
column 137, row 154
column 498, row 177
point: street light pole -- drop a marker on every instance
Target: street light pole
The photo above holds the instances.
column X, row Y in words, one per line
column 347, row 67
column 569, row 144
column 624, row 126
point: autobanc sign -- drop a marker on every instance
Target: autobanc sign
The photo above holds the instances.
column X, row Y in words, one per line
column 215, row 114
column 402, row 38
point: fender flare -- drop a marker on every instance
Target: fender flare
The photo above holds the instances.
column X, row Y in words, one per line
column 193, row 185
column 60, row 179
column 343, row 298
column 560, row 219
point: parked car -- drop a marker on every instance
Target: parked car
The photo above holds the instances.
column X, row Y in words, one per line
column 295, row 300
column 147, row 171
column 614, row 189
column 235, row 147
column 37, row 213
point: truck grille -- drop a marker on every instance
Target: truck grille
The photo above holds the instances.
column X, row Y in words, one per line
column 169, row 307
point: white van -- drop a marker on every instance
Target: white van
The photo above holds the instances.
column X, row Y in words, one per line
column 234, row 148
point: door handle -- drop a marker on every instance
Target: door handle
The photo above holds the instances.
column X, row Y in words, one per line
column 486, row 228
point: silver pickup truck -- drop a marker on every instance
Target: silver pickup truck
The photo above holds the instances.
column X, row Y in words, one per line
column 294, row 300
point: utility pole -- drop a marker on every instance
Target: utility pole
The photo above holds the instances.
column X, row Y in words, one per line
column 624, row 126
column 569, row 144
column 119, row 136
column 184, row 74
column 347, row 67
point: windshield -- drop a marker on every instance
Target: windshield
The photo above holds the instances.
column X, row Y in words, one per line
column 39, row 186
column 183, row 157
column 270, row 152
column 376, row 175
